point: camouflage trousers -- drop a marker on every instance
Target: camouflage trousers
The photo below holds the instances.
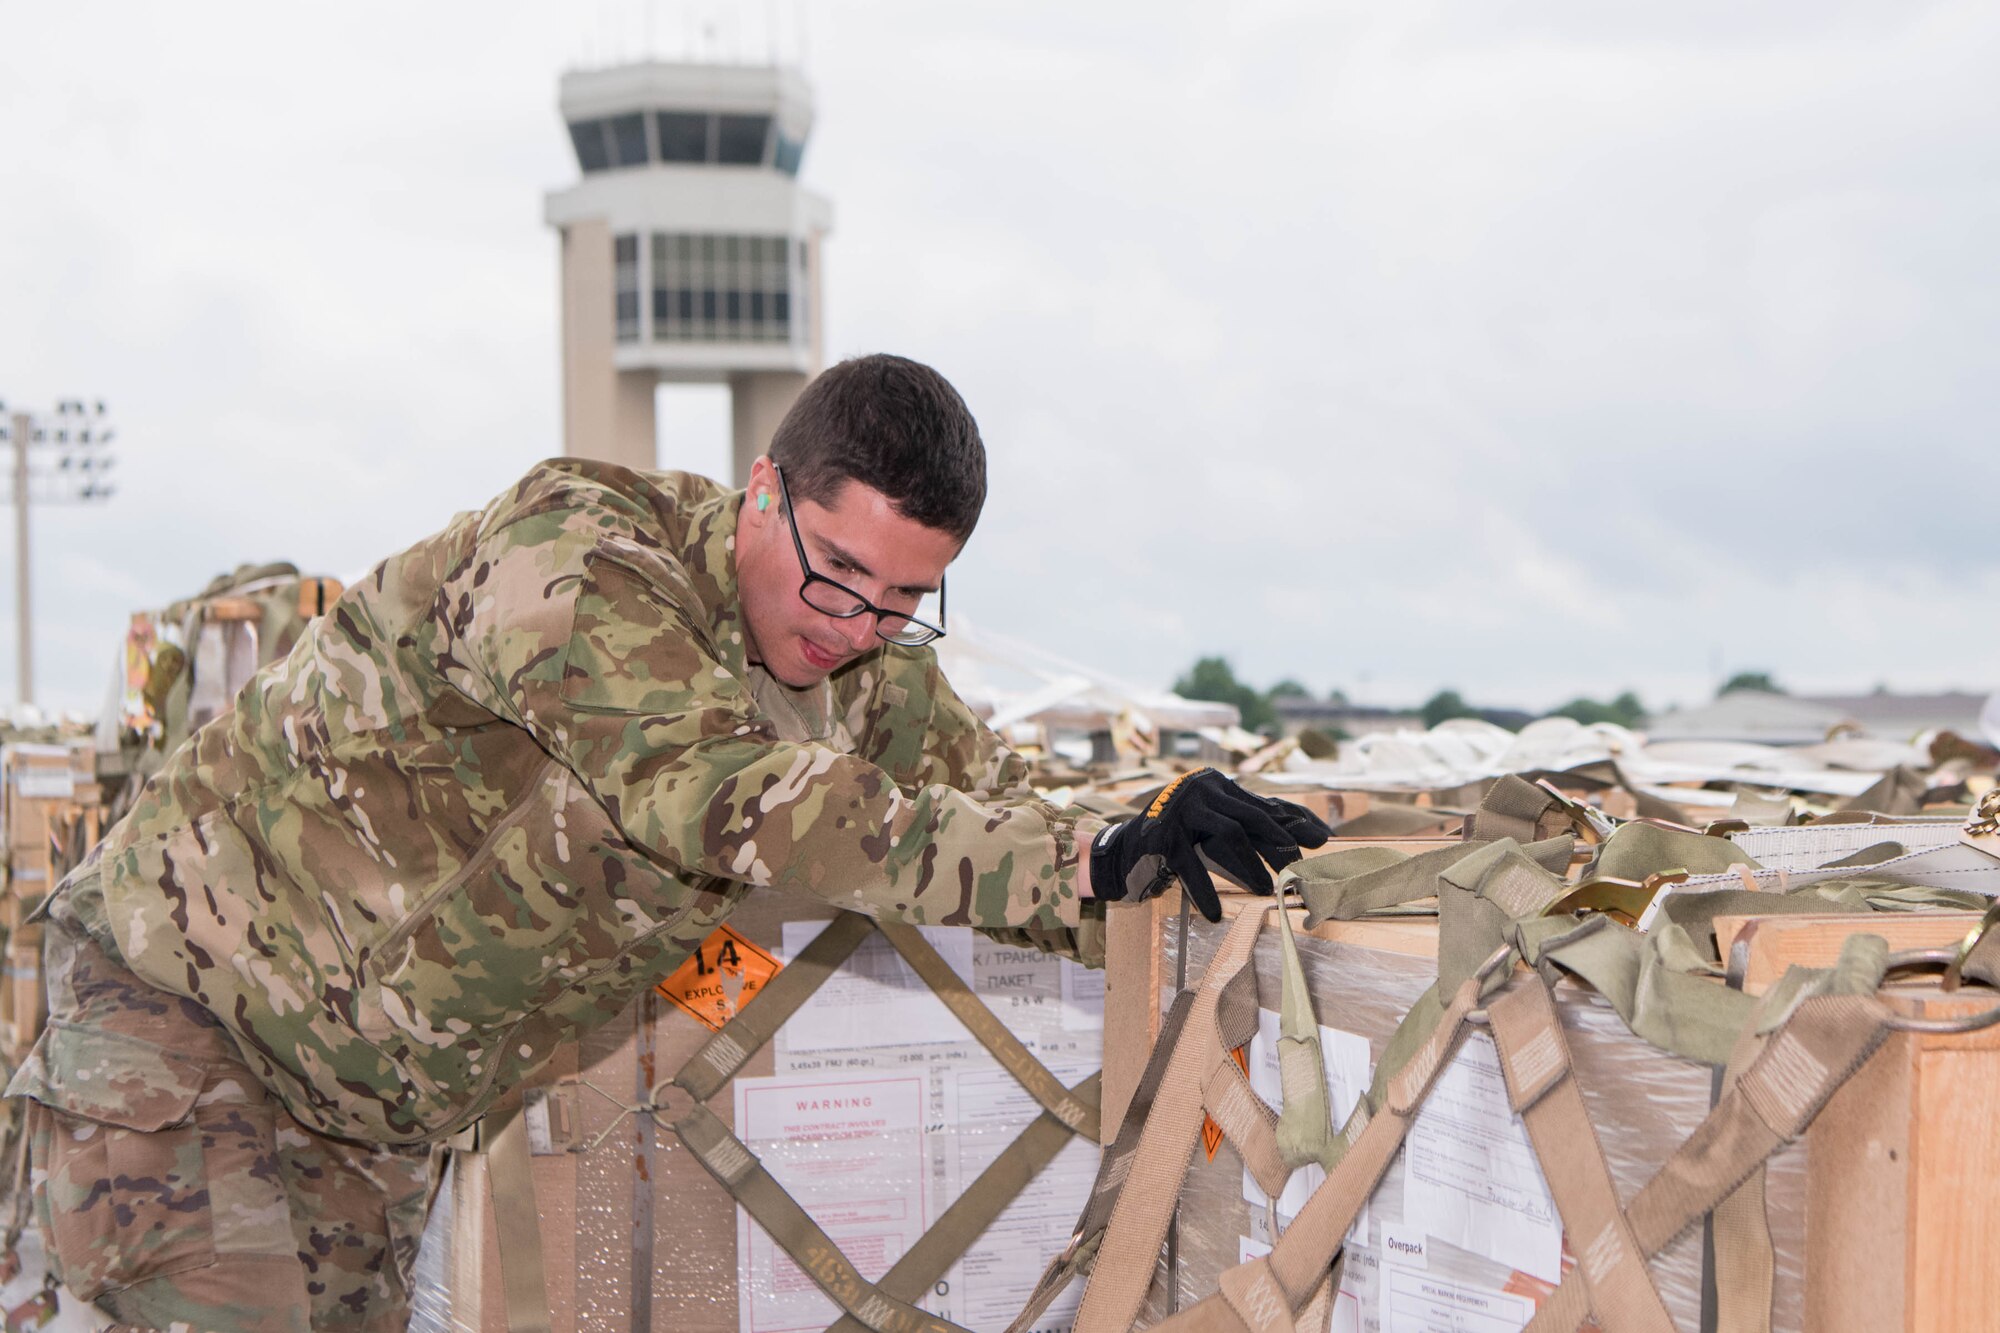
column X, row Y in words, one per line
column 173, row 1191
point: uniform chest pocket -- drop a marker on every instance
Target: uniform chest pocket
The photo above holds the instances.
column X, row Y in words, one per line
column 546, row 900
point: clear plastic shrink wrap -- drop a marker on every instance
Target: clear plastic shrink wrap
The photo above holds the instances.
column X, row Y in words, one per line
column 1642, row 1102
column 873, row 1106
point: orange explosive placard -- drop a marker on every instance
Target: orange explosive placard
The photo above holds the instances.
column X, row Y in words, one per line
column 719, row 978
column 1211, row 1133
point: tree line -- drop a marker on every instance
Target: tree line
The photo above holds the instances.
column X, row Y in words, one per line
column 1212, row 679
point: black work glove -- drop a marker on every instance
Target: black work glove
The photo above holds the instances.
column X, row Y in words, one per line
column 1201, row 815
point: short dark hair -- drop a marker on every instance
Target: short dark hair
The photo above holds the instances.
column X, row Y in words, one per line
column 892, row 424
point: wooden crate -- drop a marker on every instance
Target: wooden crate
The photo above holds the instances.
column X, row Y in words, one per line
column 1900, row 1221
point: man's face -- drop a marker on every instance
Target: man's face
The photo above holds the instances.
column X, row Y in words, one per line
column 858, row 539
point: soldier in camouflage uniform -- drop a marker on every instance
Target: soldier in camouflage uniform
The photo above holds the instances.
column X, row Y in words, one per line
column 511, row 778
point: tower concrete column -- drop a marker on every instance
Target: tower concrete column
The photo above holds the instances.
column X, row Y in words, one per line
column 757, row 403
column 607, row 413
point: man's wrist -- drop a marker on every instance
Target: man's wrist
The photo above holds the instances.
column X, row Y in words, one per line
column 1086, row 859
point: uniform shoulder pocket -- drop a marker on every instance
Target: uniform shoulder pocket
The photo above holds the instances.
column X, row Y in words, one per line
column 634, row 646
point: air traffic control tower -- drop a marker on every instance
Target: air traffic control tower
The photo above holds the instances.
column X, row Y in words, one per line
column 690, row 252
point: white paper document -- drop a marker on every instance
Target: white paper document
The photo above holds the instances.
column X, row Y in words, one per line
column 1347, row 1058
column 988, row 1286
column 45, row 783
column 1423, row 1303
column 1470, row 1176
column 875, row 999
column 1083, row 997
column 851, row 1151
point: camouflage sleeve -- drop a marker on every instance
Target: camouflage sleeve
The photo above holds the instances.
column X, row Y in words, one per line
column 605, row 655
column 963, row 752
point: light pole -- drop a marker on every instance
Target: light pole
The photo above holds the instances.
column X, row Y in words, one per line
column 63, row 460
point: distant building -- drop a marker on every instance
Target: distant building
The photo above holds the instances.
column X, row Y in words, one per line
column 1901, row 717
column 1298, row 712
column 1784, row 719
column 690, row 252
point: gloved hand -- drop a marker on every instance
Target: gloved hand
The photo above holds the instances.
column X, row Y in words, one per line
column 1201, row 814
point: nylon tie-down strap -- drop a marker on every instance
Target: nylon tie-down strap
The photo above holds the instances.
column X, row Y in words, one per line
column 1112, row 1169
column 1535, row 1061
column 887, row 1305
column 884, row 1306
column 1825, row 1041
column 1262, row 1295
column 1191, row 1081
column 1250, row 1125
column 1801, row 1048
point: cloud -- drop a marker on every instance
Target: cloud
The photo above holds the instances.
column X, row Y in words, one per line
column 1531, row 351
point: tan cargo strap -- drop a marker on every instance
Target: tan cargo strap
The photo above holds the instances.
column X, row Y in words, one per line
column 886, row 1306
column 1138, row 1225
column 1826, row 1039
column 1535, row 1061
column 1236, row 1022
column 990, row 1032
column 1112, row 1168
column 975, row 1209
column 1244, row 1118
column 739, row 1172
column 517, row 1224
column 1741, row 1250
column 1263, row 1295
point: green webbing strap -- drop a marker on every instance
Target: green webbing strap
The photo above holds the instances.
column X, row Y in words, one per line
column 1480, row 897
column 1398, row 821
column 1344, row 885
column 1636, row 850
column 1305, row 1123
column 1900, row 791
column 990, row 1032
column 975, row 1210
column 517, row 1224
column 1678, row 1012
column 739, row 1172
column 1518, row 809
column 1695, row 913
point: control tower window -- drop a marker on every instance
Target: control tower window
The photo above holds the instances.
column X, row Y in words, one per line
column 683, row 136
column 739, row 140
column 625, row 267
column 628, row 140
column 714, row 288
column 789, row 153
column 591, row 152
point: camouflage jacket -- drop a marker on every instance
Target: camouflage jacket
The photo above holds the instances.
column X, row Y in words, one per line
column 519, row 772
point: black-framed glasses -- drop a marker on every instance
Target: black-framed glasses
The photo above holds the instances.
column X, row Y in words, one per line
column 841, row 602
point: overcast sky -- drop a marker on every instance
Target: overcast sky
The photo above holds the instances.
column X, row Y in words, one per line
column 1531, row 350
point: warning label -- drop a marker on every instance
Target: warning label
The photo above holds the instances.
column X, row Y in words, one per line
column 1211, row 1133
column 719, row 978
